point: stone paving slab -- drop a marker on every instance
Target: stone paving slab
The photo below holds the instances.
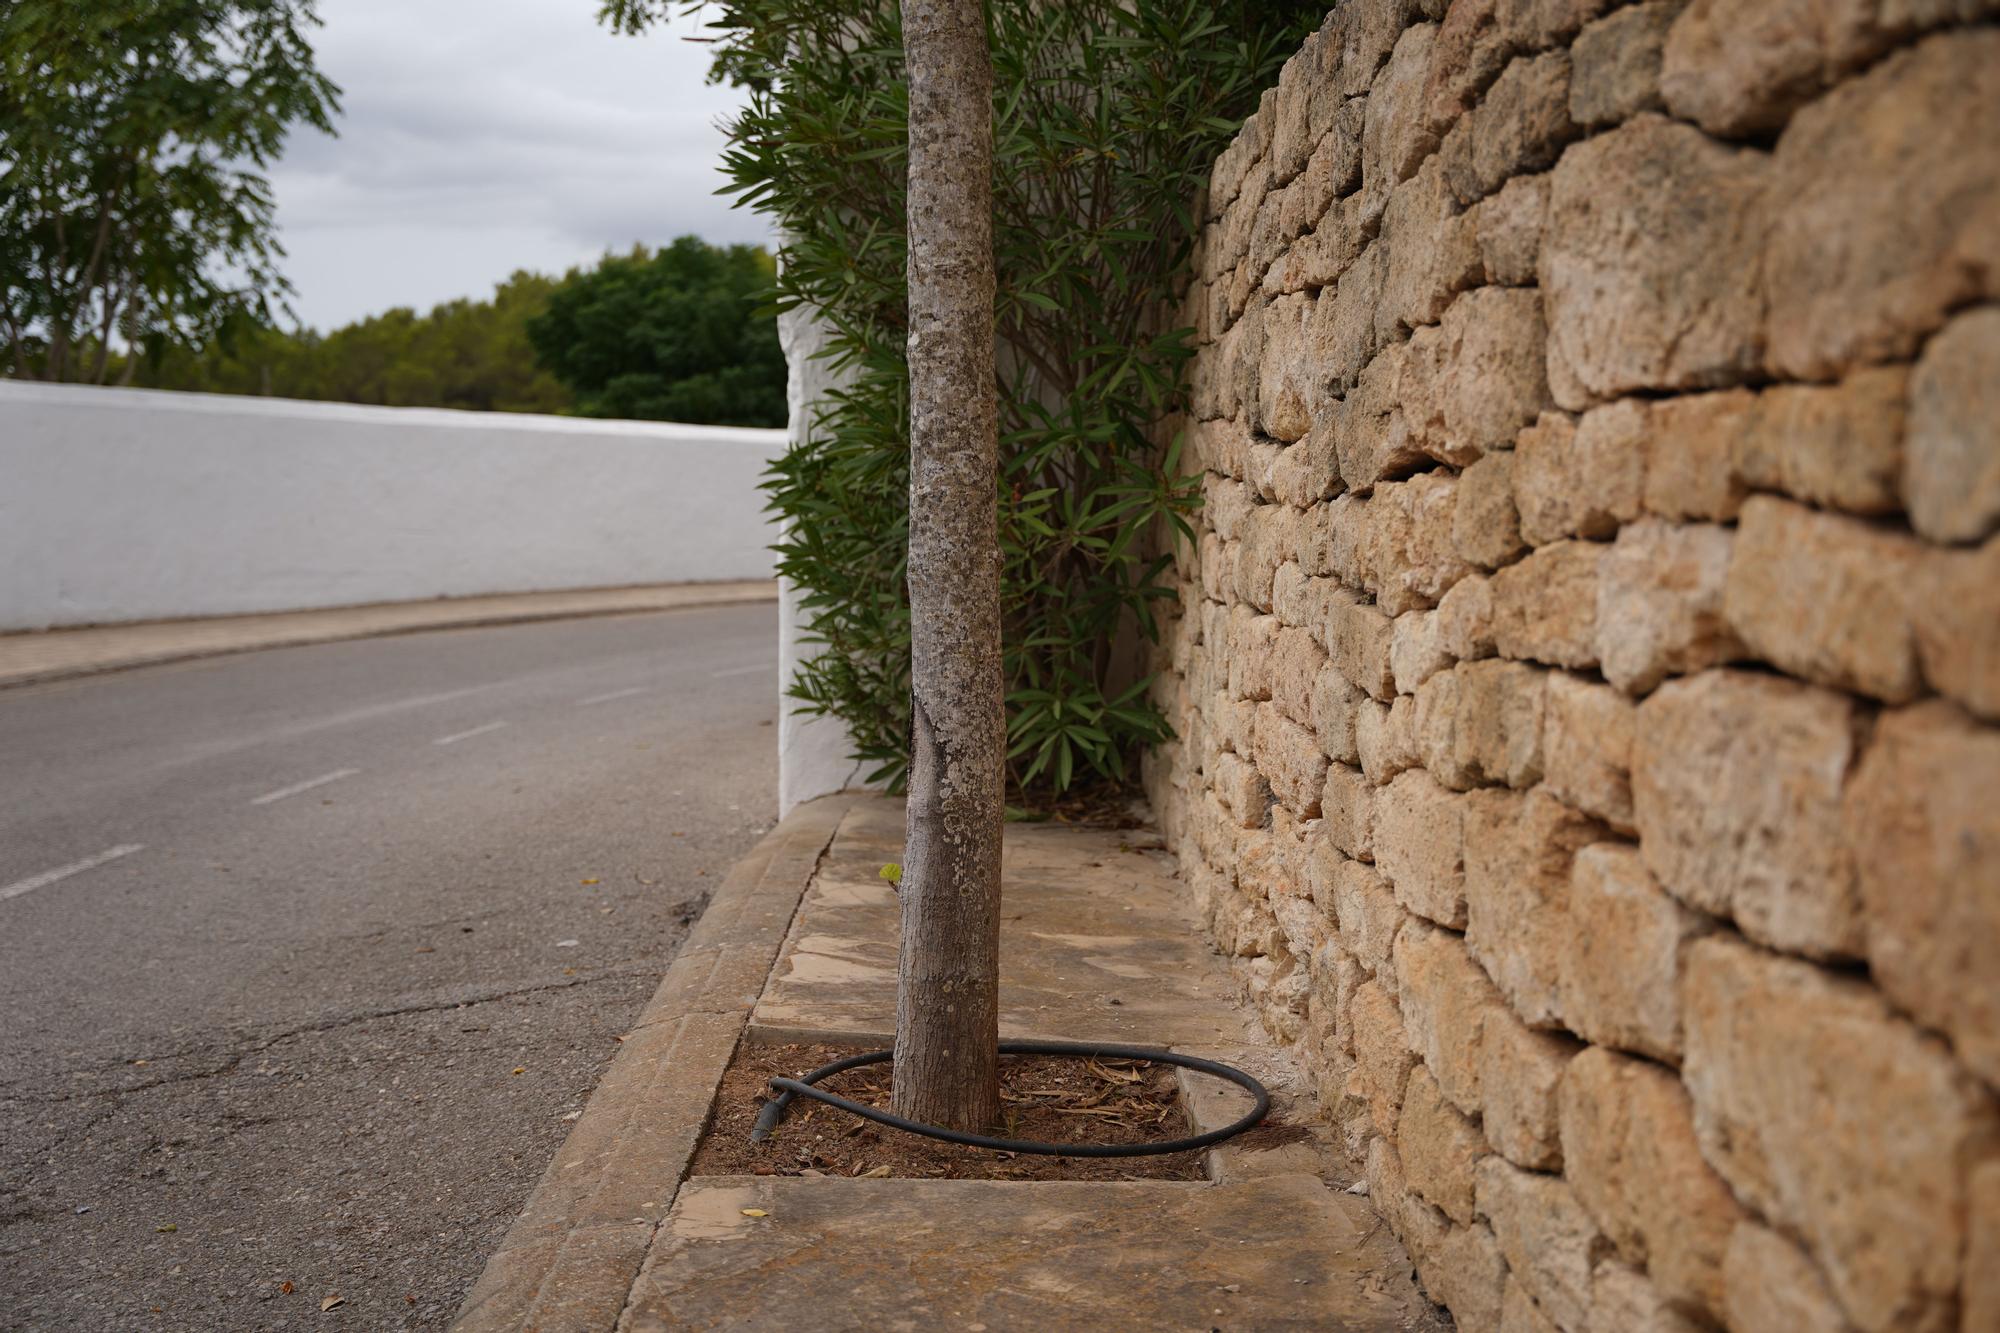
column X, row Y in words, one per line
column 1281, row 1252
column 1095, row 945
column 61, row 653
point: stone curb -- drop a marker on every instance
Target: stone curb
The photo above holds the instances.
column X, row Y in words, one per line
column 569, row 1260
column 40, row 656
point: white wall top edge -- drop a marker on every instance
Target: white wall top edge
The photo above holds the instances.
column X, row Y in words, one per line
column 295, row 409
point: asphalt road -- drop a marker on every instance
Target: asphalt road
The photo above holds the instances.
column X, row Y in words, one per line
column 369, row 921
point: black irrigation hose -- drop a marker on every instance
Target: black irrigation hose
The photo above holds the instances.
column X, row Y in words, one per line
column 788, row 1088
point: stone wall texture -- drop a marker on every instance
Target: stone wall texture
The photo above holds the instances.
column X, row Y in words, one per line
column 1587, row 670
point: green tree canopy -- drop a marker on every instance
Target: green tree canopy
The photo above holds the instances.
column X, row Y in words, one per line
column 675, row 335
column 133, row 138
column 464, row 354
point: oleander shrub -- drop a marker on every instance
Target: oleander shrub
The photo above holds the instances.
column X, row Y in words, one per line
column 1106, row 118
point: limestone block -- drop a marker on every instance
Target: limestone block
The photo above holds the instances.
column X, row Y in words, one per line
column 1218, row 568
column 1581, row 478
column 1300, row 921
column 1384, row 740
column 1335, row 702
column 1691, row 442
column 1736, row 788
column 1415, row 654
column 1296, row 660
column 1824, row 597
column 1651, row 230
column 1477, row 38
column 1446, row 1002
column 1222, row 446
column 1347, row 807
column 1359, row 637
column 1924, row 825
column 1520, row 1078
column 1225, row 505
column 1622, row 1300
column 1268, row 539
column 1839, row 1121
column 1481, row 723
column 1520, row 1314
column 1260, row 461
column 1660, row 603
column 1291, row 139
column 1370, row 918
column 1382, row 1054
column 1587, row 748
column 1289, row 757
column 1517, row 849
column 1395, row 137
column 1486, row 528
column 1439, row 1147
column 1620, row 975
column 1891, row 212
column 1951, row 474
column 1982, row 1276
column 1358, row 38
column 1476, row 377
column 1343, row 329
column 1285, row 392
column 1462, row 1268
column 1550, row 1242
column 1433, row 254
column 1369, row 429
column 1409, row 558
column 1545, row 606
column 1465, row 618
column 1838, row 446
column 1251, row 639
column 1333, row 539
column 1519, row 126
column 1630, row 1153
column 1242, row 790
column 1292, row 600
column 1615, row 64
column 1957, row 613
column 1508, row 227
column 1308, row 472
column 1419, row 847
column 1770, row 1286
column 1317, row 259
column 1738, row 70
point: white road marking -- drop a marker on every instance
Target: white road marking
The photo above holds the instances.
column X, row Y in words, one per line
column 743, row 670
column 48, row 877
column 607, row 698
column 458, row 736
column 297, row 787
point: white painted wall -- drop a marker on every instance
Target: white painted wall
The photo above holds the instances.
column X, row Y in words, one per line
column 815, row 754
column 126, row 504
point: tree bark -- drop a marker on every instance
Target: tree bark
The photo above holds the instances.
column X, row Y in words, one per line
column 947, row 1000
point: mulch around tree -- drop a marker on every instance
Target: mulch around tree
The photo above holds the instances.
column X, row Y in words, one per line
column 1051, row 1099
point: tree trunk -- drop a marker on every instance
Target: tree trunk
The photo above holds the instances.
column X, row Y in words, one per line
column 947, row 1000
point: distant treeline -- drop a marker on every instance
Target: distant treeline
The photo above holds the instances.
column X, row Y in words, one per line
column 673, row 334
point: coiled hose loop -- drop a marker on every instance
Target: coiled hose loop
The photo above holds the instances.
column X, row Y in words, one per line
column 789, row 1088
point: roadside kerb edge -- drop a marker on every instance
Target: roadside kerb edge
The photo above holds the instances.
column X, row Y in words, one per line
column 569, row 1260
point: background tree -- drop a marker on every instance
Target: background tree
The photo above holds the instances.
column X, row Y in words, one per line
column 133, row 139
column 948, row 992
column 677, row 335
column 1108, row 115
column 464, row 354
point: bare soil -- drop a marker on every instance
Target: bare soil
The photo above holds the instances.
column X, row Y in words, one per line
column 1051, row 1099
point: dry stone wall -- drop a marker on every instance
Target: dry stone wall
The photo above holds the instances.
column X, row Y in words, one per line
column 1587, row 674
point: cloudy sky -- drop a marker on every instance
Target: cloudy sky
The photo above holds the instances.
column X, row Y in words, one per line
column 482, row 136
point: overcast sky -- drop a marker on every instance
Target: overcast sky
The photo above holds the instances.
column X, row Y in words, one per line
column 483, row 136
